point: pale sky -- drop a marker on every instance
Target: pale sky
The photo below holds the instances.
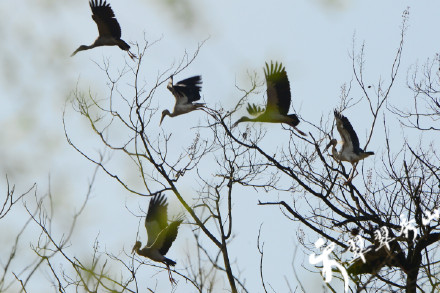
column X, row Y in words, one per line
column 313, row 39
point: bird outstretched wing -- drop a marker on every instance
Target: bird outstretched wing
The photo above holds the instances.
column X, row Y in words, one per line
column 170, row 234
column 105, row 19
column 254, row 110
column 348, row 135
column 278, row 88
column 156, row 220
column 188, row 88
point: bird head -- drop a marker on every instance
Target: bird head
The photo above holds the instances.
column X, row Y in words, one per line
column 80, row 48
column 136, row 246
column 332, row 142
column 164, row 113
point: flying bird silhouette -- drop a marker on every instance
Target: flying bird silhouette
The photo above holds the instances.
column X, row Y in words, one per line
column 161, row 235
column 108, row 27
column 278, row 100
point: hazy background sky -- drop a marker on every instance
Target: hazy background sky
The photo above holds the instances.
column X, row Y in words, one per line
column 313, row 39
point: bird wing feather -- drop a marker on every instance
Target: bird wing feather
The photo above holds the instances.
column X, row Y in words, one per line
column 254, row 110
column 348, row 135
column 188, row 90
column 170, row 234
column 105, row 19
column 278, row 88
column 156, row 220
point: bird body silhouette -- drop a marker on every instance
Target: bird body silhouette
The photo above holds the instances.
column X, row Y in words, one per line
column 108, row 28
column 350, row 150
column 161, row 235
column 186, row 92
column 278, row 100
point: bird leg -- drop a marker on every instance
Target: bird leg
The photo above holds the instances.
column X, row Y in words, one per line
column 170, row 276
column 132, row 56
column 299, row 131
column 352, row 174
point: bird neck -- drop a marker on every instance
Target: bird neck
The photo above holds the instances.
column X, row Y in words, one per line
column 144, row 251
column 83, row 47
column 246, row 119
column 166, row 112
column 136, row 247
column 335, row 152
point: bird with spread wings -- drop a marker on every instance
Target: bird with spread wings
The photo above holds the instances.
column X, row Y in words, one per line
column 278, row 100
column 161, row 235
column 108, row 28
column 186, row 92
column 350, row 150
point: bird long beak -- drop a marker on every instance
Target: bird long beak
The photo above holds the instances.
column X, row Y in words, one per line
column 161, row 119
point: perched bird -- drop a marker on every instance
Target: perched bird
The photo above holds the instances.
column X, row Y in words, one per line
column 186, row 92
column 278, row 100
column 108, row 27
column 161, row 235
column 350, row 150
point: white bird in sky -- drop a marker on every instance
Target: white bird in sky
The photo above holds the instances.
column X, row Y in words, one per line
column 108, row 27
column 186, row 92
column 278, row 100
column 350, row 150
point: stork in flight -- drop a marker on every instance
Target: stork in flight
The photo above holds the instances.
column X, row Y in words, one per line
column 278, row 100
column 186, row 92
column 161, row 235
column 350, row 150
column 108, row 27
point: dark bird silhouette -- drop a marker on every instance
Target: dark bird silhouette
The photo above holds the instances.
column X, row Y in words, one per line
column 186, row 92
column 350, row 150
column 278, row 100
column 108, row 27
column 161, row 235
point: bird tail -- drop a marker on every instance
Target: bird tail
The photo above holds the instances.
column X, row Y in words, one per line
column 198, row 105
column 126, row 47
column 295, row 120
column 366, row 154
column 169, row 262
column 123, row 45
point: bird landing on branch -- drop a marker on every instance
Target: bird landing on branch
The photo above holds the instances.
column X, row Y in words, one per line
column 350, row 150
